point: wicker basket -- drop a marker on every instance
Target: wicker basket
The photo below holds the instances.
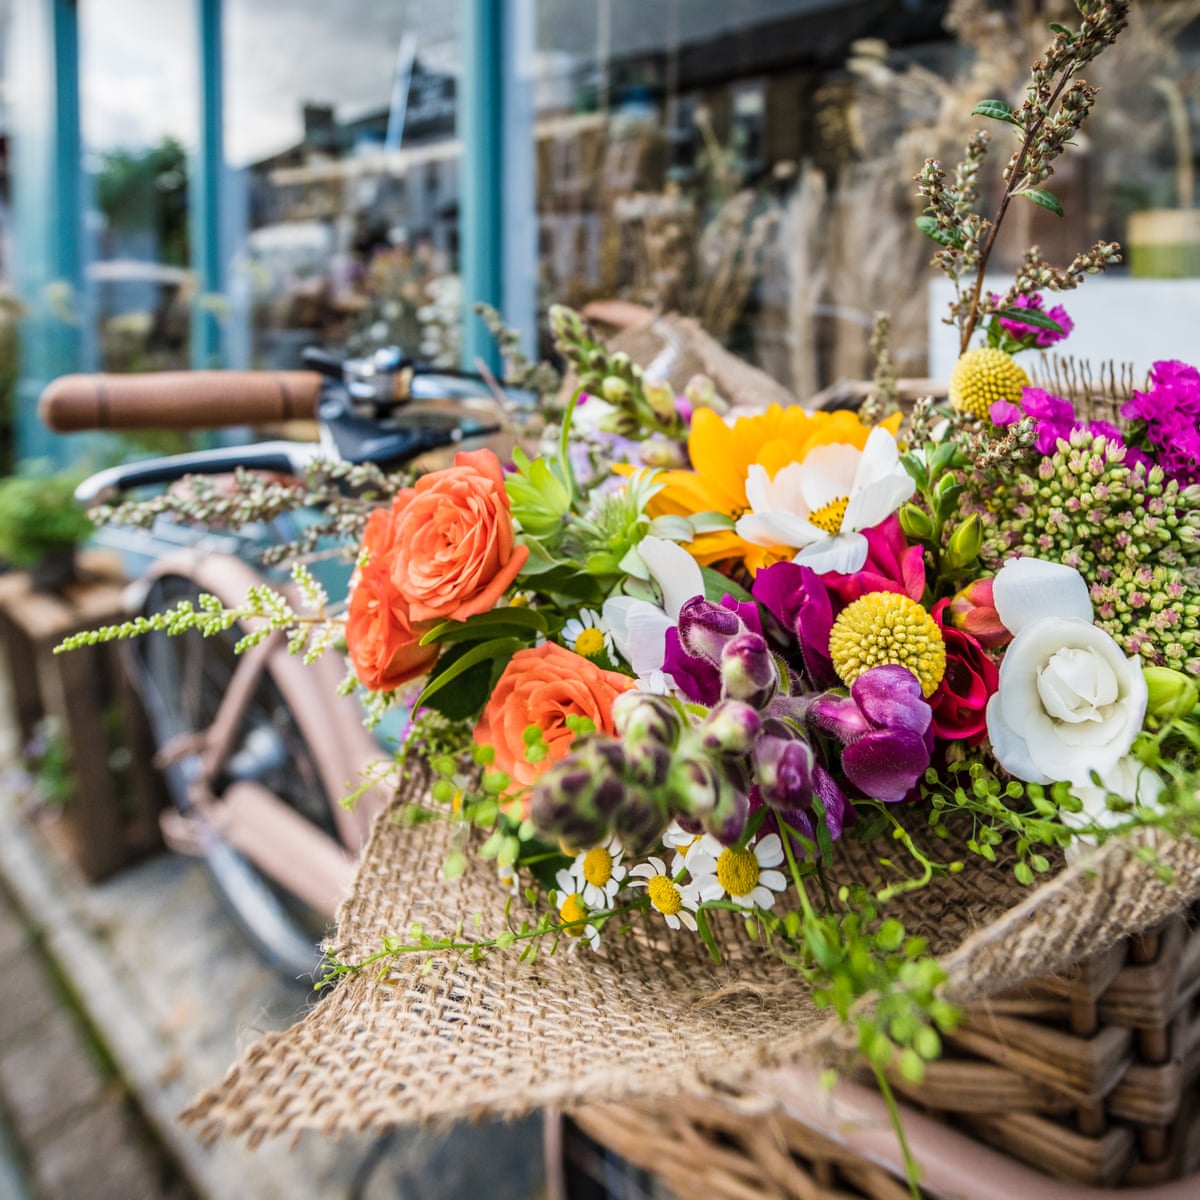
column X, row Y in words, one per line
column 1091, row 1076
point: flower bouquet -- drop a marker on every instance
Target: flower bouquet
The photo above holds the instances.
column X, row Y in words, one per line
column 741, row 735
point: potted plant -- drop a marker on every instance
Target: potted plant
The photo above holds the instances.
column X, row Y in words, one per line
column 41, row 524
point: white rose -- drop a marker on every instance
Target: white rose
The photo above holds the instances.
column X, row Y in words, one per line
column 1069, row 702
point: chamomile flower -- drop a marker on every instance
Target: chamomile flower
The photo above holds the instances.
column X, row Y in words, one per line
column 683, row 843
column 510, row 880
column 598, row 873
column 588, row 634
column 745, row 876
column 572, row 910
column 676, row 902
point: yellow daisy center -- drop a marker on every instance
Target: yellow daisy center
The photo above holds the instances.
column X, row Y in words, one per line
column 572, row 910
column 829, row 517
column 981, row 377
column 737, row 871
column 589, row 643
column 886, row 627
column 664, row 895
column 597, row 866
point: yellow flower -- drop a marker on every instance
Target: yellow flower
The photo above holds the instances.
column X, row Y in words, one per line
column 886, row 627
column 981, row 377
column 721, row 457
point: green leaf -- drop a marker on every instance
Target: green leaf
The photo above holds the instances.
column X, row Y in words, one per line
column 493, row 652
column 672, row 528
column 1032, row 317
column 1056, row 27
column 929, row 227
column 706, row 936
column 711, row 522
column 487, row 625
column 717, row 586
column 1043, row 199
column 995, row 110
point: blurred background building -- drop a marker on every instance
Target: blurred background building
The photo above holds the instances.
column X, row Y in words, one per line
column 222, row 182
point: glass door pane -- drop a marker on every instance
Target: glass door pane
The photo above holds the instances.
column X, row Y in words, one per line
column 341, row 133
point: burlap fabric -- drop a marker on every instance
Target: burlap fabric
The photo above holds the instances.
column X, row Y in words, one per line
column 650, row 1016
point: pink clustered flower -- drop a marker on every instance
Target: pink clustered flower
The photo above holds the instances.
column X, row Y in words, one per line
column 1054, row 420
column 1041, row 338
column 1167, row 419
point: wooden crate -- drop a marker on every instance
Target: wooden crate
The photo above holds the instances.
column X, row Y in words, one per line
column 112, row 819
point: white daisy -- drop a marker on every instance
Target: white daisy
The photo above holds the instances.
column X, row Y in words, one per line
column 588, row 634
column 572, row 910
column 597, row 874
column 509, row 878
column 821, row 504
column 743, row 875
column 683, row 843
column 676, row 903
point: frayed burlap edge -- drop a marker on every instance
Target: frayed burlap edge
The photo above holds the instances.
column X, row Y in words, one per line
column 433, row 1040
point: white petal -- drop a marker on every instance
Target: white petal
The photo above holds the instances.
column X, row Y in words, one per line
column 775, row 880
column 709, row 889
column 761, row 898
column 639, row 631
column 671, row 920
column 784, row 493
column 1030, row 589
column 878, row 500
column 879, row 457
column 829, row 473
column 777, row 529
column 687, row 919
column 1009, row 746
column 769, row 852
column 674, row 570
column 845, row 554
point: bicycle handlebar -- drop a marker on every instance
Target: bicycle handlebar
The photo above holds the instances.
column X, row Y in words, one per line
column 178, row 400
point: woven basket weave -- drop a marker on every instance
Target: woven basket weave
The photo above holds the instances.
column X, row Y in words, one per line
column 1091, row 1075
column 651, row 1019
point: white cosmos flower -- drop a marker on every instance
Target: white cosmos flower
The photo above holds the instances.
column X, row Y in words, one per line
column 676, row 902
column 821, row 504
column 639, row 628
column 744, row 875
column 1069, row 702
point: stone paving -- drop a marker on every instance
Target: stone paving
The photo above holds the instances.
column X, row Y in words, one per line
column 170, row 992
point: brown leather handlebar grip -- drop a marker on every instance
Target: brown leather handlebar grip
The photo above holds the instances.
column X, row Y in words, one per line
column 178, row 400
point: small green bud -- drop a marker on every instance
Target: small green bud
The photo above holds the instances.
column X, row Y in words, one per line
column 965, row 543
column 660, row 397
column 1171, row 695
column 614, row 389
column 915, row 522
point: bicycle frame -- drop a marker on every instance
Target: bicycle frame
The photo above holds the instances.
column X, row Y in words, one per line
column 249, row 816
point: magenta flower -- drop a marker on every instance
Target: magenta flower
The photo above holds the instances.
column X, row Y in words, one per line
column 892, row 566
column 884, row 726
column 1054, row 420
column 1033, row 337
column 1167, row 420
column 798, row 599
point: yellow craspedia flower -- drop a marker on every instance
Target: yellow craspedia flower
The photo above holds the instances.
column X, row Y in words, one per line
column 981, row 377
column 883, row 628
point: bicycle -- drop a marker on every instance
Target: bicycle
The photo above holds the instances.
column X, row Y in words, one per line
column 256, row 749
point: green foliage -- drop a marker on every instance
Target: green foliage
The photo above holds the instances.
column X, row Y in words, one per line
column 39, row 516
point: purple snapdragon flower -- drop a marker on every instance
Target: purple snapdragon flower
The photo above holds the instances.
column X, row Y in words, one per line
column 695, row 646
column 1167, row 419
column 788, row 778
column 1033, row 337
column 884, row 726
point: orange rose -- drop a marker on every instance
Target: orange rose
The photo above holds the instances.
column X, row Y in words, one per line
column 380, row 634
column 543, row 686
column 454, row 553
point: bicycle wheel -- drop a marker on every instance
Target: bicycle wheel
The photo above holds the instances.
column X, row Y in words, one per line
column 184, row 681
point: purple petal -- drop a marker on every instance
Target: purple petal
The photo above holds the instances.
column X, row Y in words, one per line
column 747, row 610
column 784, row 770
column 838, row 715
column 1004, row 414
column 705, row 627
column 839, row 813
column 697, row 679
column 890, row 698
column 887, row 764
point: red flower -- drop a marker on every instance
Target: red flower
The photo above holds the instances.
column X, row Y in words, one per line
column 960, row 702
column 974, row 611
